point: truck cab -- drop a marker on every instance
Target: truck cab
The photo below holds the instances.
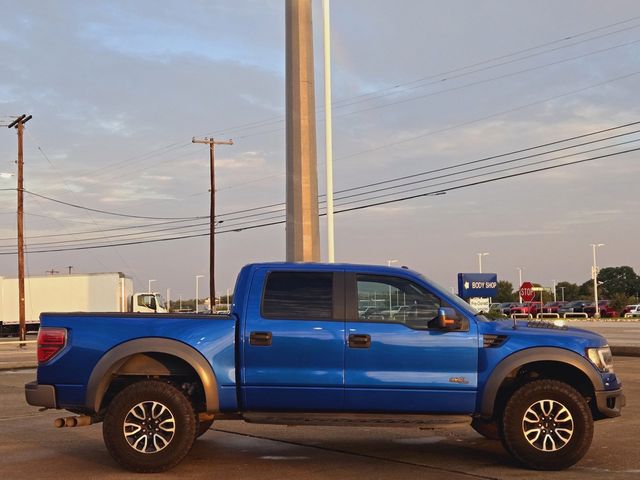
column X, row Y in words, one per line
column 147, row 303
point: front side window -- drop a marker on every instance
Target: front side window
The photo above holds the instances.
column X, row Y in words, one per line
column 393, row 299
column 148, row 301
column 298, row 296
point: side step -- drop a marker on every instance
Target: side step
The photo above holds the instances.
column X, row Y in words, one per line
column 355, row 419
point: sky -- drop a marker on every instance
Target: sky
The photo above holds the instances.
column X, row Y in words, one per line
column 118, row 89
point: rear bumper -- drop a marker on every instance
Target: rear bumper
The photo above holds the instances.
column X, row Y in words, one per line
column 610, row 402
column 40, row 395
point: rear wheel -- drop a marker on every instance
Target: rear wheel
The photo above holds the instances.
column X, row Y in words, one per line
column 149, row 426
column 547, row 425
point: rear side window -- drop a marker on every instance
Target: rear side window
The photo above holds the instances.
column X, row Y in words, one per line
column 298, row 296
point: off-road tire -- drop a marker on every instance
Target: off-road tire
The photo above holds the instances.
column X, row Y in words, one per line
column 581, row 425
column 203, row 427
column 149, row 392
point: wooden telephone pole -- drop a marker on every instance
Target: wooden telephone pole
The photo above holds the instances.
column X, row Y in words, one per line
column 18, row 124
column 212, row 214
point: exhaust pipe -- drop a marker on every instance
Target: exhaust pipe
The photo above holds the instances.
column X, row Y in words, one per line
column 69, row 422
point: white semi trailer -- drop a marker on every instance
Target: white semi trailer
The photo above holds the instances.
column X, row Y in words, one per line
column 81, row 292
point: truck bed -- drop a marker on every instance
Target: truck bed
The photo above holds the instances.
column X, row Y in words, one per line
column 92, row 335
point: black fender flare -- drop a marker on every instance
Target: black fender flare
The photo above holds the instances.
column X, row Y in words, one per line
column 101, row 376
column 530, row 355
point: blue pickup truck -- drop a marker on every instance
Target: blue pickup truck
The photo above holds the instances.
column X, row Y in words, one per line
column 309, row 343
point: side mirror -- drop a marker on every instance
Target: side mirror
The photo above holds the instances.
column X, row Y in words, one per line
column 448, row 319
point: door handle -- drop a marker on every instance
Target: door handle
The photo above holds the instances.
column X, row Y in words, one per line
column 260, row 339
column 359, row 341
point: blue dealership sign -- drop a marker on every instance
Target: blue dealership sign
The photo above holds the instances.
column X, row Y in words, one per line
column 477, row 285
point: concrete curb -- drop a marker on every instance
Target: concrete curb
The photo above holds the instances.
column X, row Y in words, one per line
column 625, row 351
column 18, row 366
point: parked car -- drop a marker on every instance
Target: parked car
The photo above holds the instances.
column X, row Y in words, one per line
column 373, row 313
column 527, row 308
column 606, row 310
column 519, row 308
column 631, row 311
column 506, row 307
column 576, row 306
column 552, row 307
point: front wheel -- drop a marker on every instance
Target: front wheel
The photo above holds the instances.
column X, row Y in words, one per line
column 149, row 426
column 547, row 425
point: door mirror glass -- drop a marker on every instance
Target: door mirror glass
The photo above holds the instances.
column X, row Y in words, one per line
column 448, row 319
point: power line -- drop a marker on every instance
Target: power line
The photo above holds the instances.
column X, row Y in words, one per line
column 487, row 117
column 478, row 119
column 482, row 182
column 106, row 212
column 234, row 215
column 350, row 209
column 86, row 232
column 341, row 103
column 492, row 165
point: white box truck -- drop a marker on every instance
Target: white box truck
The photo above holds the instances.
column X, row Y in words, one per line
column 80, row 292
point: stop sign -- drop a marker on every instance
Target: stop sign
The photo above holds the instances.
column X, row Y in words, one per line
column 526, row 291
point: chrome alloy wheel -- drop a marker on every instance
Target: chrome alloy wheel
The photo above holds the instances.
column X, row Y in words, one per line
column 547, row 425
column 149, row 427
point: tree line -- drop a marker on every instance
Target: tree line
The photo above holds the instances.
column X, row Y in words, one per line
column 621, row 285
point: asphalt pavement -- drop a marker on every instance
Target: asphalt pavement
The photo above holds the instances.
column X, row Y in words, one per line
column 30, row 447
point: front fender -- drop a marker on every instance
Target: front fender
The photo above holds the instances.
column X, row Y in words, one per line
column 530, row 355
column 101, row 375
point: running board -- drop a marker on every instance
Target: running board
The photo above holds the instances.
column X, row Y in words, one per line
column 355, row 419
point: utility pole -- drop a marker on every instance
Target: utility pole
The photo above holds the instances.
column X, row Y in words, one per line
column 212, row 210
column 303, row 226
column 18, row 124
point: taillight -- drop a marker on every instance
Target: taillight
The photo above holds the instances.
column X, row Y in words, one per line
column 50, row 342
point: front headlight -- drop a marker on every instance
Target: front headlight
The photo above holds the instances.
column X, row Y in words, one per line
column 601, row 358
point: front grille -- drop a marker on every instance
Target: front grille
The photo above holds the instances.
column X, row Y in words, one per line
column 493, row 341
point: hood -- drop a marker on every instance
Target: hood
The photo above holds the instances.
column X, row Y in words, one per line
column 542, row 333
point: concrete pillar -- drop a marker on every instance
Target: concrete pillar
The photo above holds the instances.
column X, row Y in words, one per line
column 303, row 229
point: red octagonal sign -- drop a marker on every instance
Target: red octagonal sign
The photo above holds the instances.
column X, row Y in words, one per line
column 526, row 292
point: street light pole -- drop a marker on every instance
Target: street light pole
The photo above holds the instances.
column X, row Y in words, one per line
column 562, row 290
column 480, row 255
column 519, row 284
column 328, row 129
column 168, row 300
column 198, row 277
column 554, row 291
column 594, row 274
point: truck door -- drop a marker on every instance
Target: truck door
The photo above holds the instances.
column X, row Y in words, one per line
column 396, row 359
column 293, row 341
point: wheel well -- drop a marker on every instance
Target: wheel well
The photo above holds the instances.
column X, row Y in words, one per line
column 163, row 366
column 551, row 370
